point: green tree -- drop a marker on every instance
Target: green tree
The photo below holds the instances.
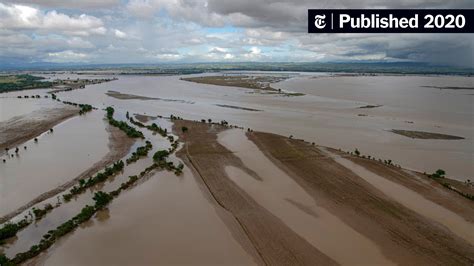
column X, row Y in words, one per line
column 357, row 152
column 160, row 155
column 101, row 199
column 440, row 173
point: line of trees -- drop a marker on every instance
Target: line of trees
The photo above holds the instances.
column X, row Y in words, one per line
column 101, row 199
column 10, row 229
column 141, row 151
column 153, row 127
column 93, row 180
column 129, row 130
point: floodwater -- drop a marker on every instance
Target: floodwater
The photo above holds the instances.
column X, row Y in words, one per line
column 165, row 216
column 165, row 220
column 34, row 232
column 412, row 200
column 328, row 114
column 12, row 107
column 282, row 196
column 168, row 216
column 73, row 147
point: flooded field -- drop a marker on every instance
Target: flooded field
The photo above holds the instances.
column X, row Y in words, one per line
column 11, row 107
column 56, row 158
column 280, row 194
column 413, row 200
column 233, row 203
column 165, row 216
column 328, row 114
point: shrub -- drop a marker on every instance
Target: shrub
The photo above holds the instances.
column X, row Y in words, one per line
column 101, row 199
column 357, row 152
column 160, row 155
column 8, row 230
column 129, row 130
column 440, row 173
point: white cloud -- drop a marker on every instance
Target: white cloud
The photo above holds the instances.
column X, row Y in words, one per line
column 218, row 50
column 77, row 42
column 229, row 56
column 167, row 56
column 20, row 17
column 255, row 50
column 120, row 34
column 250, row 30
column 83, row 4
column 253, row 54
column 67, row 56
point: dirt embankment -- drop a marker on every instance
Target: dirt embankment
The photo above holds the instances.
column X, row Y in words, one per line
column 275, row 243
column 144, row 118
column 119, row 146
column 22, row 128
column 403, row 235
column 424, row 135
column 249, row 82
column 126, row 96
column 423, row 185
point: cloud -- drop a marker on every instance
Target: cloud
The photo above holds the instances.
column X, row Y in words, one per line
column 229, row 56
column 253, row 54
column 218, row 50
column 66, row 57
column 120, row 34
column 167, row 56
column 82, row 4
column 77, row 42
column 151, row 31
column 20, row 17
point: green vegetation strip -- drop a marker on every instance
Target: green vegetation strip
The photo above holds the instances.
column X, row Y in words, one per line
column 141, row 151
column 102, row 199
column 153, row 127
column 84, row 107
column 22, row 82
column 130, row 131
column 10, row 229
column 93, row 180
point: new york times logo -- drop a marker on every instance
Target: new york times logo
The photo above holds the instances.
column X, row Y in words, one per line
column 391, row 21
column 319, row 21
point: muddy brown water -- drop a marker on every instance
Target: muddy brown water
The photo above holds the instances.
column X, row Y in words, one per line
column 164, row 215
column 12, row 107
column 327, row 114
column 56, row 158
column 34, row 232
column 165, row 220
column 173, row 215
column 281, row 195
column 412, row 200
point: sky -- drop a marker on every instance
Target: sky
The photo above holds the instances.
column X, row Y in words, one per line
column 187, row 31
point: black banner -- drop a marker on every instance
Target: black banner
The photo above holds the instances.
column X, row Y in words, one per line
column 390, row 20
